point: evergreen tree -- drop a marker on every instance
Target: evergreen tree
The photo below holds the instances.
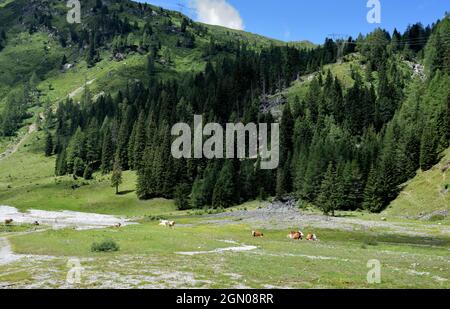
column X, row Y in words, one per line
column 107, row 152
column 428, row 145
column 182, row 192
column 327, row 200
column 224, row 191
column 88, row 171
column 48, row 145
column 116, row 177
column 78, row 167
column 372, row 199
column 139, row 141
column 197, row 200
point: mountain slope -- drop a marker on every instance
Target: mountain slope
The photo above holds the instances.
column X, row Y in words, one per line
column 426, row 196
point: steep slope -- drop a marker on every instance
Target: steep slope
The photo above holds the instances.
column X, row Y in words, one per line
column 38, row 44
column 426, row 196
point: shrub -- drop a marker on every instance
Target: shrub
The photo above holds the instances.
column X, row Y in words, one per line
column 105, row 246
column 370, row 242
column 437, row 218
column 152, row 218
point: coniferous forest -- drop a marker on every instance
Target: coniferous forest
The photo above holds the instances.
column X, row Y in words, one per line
column 343, row 147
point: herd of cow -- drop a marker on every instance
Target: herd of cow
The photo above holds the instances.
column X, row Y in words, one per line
column 295, row 235
column 10, row 221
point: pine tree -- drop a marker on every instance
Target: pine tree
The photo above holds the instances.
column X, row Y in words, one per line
column 78, row 167
column 182, row 192
column 224, row 191
column 92, row 142
column 64, row 60
column 197, row 200
column 76, row 150
column 107, row 152
column 428, row 151
column 116, row 177
column 372, row 199
column 150, row 65
column 88, row 171
column 352, row 186
column 48, row 145
column 139, row 141
column 327, row 200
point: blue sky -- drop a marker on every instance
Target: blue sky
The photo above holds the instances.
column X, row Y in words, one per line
column 294, row 20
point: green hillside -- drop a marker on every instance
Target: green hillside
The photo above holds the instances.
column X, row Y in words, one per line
column 426, row 196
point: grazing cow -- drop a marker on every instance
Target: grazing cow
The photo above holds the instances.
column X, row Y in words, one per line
column 257, row 234
column 167, row 223
column 118, row 225
column 295, row 235
column 8, row 221
column 36, row 223
column 311, row 237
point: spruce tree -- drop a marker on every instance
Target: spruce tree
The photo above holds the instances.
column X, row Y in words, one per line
column 78, row 167
column 327, row 199
column 428, row 145
column 224, row 191
column 139, row 141
column 48, row 144
column 116, row 177
column 197, row 200
column 88, row 171
column 372, row 200
column 107, row 152
column 181, row 196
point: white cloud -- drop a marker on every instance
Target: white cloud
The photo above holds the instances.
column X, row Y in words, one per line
column 218, row 12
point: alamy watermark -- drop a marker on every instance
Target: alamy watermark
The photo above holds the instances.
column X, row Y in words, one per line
column 213, row 147
column 74, row 273
column 74, row 14
column 374, row 274
column 374, row 15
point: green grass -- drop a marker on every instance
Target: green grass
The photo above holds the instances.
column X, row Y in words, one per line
column 4, row 3
column 27, row 181
column 338, row 260
column 424, row 194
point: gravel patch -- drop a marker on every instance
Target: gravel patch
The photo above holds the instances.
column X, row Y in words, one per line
column 283, row 215
column 61, row 219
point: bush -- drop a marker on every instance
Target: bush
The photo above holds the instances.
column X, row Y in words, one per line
column 435, row 218
column 152, row 218
column 105, row 246
column 369, row 242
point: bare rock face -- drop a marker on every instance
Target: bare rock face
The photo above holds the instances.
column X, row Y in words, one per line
column 268, row 103
column 119, row 57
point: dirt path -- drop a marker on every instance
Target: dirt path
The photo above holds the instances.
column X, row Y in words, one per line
column 78, row 90
column 13, row 149
column 33, row 127
column 6, row 254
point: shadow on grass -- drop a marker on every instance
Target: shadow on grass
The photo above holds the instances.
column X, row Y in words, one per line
column 125, row 192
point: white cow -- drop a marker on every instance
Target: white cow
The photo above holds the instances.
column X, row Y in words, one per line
column 167, row 223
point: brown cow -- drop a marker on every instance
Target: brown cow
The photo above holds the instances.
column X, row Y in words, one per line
column 8, row 221
column 118, row 225
column 257, row 234
column 295, row 235
column 311, row 237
